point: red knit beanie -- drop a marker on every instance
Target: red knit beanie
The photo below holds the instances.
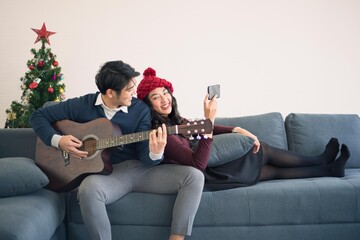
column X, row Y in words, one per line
column 150, row 82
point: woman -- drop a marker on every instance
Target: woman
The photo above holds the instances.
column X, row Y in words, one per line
column 262, row 163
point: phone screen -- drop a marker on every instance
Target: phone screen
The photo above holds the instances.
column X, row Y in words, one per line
column 213, row 90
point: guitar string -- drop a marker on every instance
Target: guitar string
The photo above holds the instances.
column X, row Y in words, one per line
column 94, row 145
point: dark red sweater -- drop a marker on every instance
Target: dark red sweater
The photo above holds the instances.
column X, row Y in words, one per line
column 178, row 149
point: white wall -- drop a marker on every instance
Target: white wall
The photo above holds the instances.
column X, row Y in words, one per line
column 268, row 55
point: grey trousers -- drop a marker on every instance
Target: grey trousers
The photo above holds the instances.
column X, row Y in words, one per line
column 96, row 191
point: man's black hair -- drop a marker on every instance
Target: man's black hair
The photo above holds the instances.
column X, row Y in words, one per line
column 114, row 75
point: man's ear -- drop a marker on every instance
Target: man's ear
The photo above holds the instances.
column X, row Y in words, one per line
column 110, row 93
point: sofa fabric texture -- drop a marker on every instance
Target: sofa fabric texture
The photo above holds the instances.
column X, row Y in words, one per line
column 294, row 209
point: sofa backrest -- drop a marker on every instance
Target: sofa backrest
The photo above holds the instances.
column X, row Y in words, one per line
column 309, row 133
column 268, row 127
column 17, row 142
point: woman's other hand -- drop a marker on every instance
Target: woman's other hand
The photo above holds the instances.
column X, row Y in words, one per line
column 256, row 146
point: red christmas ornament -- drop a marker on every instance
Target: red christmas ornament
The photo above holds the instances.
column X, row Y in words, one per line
column 50, row 89
column 33, row 85
column 41, row 63
column 55, row 63
column 31, row 67
column 43, row 33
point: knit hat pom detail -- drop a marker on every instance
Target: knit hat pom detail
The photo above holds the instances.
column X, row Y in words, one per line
column 150, row 82
column 149, row 72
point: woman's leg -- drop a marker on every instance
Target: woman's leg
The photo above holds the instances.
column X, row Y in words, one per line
column 283, row 158
column 334, row 169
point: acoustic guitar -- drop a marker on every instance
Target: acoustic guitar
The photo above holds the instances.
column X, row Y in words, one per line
column 99, row 137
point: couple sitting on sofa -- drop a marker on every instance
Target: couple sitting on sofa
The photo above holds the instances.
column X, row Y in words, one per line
column 116, row 83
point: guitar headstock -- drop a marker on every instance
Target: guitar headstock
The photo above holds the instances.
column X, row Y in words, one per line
column 197, row 127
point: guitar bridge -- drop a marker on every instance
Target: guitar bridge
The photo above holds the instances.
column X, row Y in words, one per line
column 65, row 156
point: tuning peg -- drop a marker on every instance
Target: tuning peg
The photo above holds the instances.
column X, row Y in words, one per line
column 191, row 138
column 198, row 137
column 205, row 137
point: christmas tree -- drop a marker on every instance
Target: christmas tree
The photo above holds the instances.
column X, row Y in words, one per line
column 41, row 83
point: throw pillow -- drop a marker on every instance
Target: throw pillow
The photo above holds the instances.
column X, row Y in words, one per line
column 228, row 147
column 19, row 175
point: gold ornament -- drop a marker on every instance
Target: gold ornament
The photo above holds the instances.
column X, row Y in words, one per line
column 57, row 99
column 61, row 90
column 11, row 116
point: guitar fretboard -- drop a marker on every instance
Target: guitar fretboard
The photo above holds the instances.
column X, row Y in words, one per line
column 129, row 138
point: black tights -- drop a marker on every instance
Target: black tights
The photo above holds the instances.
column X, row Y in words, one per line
column 282, row 164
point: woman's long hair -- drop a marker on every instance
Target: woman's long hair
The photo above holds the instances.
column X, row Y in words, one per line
column 174, row 117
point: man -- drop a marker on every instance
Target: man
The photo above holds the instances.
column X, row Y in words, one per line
column 135, row 166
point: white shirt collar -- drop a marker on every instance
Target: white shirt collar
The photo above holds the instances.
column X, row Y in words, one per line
column 110, row 111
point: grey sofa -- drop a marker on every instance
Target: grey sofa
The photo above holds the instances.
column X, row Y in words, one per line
column 315, row 208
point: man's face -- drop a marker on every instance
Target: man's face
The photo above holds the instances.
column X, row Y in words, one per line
column 125, row 96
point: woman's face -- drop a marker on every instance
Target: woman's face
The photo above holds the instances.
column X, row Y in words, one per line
column 161, row 101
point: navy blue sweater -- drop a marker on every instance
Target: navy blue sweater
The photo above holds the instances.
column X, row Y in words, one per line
column 83, row 109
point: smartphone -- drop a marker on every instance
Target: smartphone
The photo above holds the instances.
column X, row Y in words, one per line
column 213, row 90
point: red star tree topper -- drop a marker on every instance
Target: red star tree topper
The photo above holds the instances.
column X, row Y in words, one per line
column 43, row 33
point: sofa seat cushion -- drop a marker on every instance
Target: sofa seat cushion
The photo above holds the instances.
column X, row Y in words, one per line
column 282, row 202
column 309, row 133
column 325, row 200
column 31, row 216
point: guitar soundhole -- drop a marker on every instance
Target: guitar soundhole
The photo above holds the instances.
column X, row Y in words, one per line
column 89, row 145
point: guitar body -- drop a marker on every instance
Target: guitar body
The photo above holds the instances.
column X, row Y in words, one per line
column 66, row 172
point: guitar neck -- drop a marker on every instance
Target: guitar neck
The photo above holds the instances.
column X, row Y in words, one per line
column 130, row 138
